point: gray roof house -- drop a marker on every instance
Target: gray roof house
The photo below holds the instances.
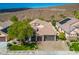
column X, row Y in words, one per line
column 69, row 25
column 44, row 30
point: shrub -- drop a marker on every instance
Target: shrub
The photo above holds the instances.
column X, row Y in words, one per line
column 14, row 42
column 28, row 46
column 53, row 20
column 68, row 43
column 62, row 36
column 41, row 18
column 74, row 40
column 14, row 18
column 9, row 44
column 74, row 46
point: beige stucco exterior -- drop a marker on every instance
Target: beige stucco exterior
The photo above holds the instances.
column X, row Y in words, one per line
column 59, row 29
column 71, row 35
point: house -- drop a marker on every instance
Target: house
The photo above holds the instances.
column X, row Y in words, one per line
column 44, row 30
column 70, row 26
column 3, row 30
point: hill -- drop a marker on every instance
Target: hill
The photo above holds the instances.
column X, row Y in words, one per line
column 44, row 13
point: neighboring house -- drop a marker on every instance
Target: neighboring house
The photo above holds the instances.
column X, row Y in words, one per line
column 44, row 30
column 70, row 26
column 3, row 30
column 3, row 36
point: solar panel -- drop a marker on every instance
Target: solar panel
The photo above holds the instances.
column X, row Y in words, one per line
column 64, row 21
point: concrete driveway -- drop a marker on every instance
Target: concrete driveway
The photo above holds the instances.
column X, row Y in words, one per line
column 53, row 46
column 3, row 47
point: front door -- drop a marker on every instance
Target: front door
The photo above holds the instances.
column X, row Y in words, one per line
column 39, row 38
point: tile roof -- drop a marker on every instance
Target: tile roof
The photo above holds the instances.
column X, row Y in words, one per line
column 43, row 27
column 69, row 25
column 6, row 24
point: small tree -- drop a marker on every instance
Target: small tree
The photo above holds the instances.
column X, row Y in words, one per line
column 53, row 21
column 20, row 30
column 63, row 16
column 62, row 36
column 14, row 18
column 76, row 14
column 41, row 18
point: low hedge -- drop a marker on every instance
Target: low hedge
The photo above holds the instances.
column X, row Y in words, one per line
column 30, row 46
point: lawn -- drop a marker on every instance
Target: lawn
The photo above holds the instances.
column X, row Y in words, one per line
column 28, row 46
column 74, row 46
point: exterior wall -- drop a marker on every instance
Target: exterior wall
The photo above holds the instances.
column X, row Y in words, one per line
column 46, row 38
column 59, row 29
column 67, row 36
column 3, row 37
column 71, row 36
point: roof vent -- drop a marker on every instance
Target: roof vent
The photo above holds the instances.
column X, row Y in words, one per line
column 36, row 24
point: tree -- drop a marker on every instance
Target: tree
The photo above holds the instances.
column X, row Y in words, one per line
column 63, row 16
column 41, row 18
column 20, row 30
column 12, row 32
column 53, row 21
column 76, row 14
column 14, row 18
column 62, row 36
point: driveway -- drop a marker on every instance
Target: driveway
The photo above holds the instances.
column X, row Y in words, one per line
column 3, row 47
column 53, row 46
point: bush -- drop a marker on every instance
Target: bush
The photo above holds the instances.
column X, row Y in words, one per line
column 62, row 36
column 9, row 44
column 41, row 18
column 14, row 42
column 74, row 40
column 68, row 43
column 74, row 46
column 53, row 20
column 28, row 46
column 14, row 18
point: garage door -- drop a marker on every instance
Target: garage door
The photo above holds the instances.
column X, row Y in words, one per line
column 2, row 39
column 49, row 37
